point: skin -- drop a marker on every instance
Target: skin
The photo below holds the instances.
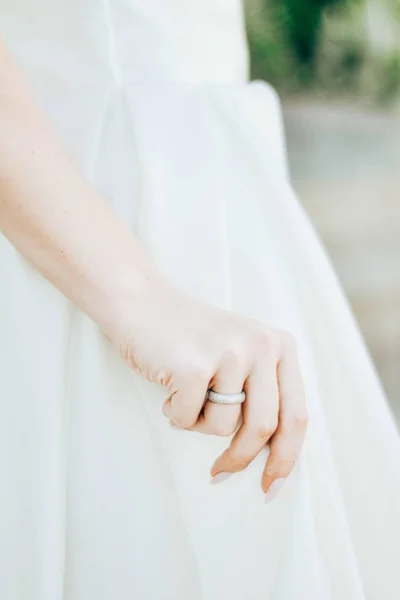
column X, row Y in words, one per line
column 72, row 236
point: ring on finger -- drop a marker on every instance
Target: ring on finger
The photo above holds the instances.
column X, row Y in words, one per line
column 220, row 398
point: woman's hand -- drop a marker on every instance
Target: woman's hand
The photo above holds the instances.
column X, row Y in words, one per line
column 73, row 237
column 189, row 347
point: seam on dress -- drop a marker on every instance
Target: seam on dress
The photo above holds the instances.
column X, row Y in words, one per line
column 67, row 407
column 98, row 138
column 73, row 321
column 114, row 56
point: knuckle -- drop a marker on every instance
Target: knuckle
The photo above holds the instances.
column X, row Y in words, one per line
column 298, row 421
column 240, row 462
column 196, row 374
column 281, row 465
column 233, row 354
column 263, row 340
column 183, row 422
column 224, row 430
column 265, row 430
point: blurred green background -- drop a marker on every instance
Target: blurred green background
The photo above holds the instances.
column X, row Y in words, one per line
column 346, row 47
column 336, row 65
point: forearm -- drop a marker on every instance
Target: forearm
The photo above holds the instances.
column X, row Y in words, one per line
column 55, row 218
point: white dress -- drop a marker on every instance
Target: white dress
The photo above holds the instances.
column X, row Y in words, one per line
column 100, row 499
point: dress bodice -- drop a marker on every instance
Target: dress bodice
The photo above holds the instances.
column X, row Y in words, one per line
column 84, row 42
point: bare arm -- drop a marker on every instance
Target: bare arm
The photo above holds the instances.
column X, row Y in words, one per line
column 54, row 217
column 69, row 233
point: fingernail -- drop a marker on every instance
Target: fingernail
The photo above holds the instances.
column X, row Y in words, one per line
column 220, row 477
column 274, row 489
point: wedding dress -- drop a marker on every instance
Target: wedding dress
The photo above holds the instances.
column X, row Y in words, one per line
column 100, row 498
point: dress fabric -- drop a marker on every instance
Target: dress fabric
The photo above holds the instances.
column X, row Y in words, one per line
column 100, row 498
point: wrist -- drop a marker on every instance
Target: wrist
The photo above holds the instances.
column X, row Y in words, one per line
column 127, row 303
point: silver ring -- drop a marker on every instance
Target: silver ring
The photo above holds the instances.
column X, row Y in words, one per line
column 220, row 398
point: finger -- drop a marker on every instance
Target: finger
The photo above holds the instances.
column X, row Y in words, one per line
column 184, row 406
column 222, row 419
column 260, row 418
column 286, row 443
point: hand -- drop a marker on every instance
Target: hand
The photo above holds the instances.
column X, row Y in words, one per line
column 45, row 205
column 189, row 347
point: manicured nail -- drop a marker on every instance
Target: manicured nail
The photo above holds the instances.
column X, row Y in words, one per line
column 220, row 477
column 274, row 489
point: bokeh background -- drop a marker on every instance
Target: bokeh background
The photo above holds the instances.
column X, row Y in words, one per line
column 336, row 64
